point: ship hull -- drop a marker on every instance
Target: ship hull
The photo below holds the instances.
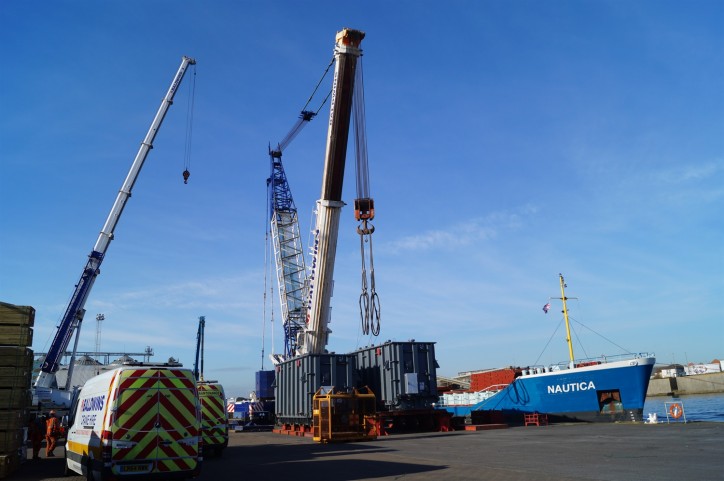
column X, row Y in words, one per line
column 605, row 392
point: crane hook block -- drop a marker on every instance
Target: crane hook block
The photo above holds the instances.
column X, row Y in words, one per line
column 186, row 175
column 364, row 209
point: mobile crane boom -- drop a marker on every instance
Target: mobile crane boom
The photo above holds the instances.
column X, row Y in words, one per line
column 75, row 311
column 329, row 206
column 199, row 371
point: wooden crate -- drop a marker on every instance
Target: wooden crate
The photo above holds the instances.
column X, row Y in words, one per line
column 11, row 440
column 11, row 419
column 16, row 356
column 15, row 378
column 8, row 464
column 15, row 398
column 16, row 335
column 16, row 315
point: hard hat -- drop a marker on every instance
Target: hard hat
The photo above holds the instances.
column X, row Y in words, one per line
column 52, row 411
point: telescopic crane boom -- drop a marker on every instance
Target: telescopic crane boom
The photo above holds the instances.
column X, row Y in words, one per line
column 75, row 311
column 329, row 206
column 199, row 371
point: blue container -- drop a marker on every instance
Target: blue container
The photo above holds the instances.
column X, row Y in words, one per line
column 265, row 385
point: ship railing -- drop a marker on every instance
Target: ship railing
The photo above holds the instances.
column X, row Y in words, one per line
column 603, row 359
column 582, row 362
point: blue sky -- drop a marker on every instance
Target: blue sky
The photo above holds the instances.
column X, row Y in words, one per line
column 508, row 142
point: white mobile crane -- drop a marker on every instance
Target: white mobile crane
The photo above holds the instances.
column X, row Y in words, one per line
column 313, row 339
column 46, row 388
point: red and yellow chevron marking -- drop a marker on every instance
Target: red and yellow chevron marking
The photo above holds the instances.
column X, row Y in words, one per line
column 157, row 419
column 213, row 414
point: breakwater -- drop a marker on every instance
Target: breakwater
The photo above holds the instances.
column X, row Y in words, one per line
column 697, row 384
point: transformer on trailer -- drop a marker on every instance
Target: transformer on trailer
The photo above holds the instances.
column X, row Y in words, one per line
column 298, row 379
column 403, row 375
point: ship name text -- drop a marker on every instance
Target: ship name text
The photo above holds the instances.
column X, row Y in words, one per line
column 571, row 387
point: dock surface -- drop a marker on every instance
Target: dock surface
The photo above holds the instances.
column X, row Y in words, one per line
column 691, row 451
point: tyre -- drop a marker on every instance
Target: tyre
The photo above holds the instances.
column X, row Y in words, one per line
column 89, row 471
column 66, row 470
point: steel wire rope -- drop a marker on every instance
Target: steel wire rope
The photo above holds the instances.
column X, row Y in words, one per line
column 375, row 313
column 603, row 337
column 578, row 338
column 364, row 298
column 189, row 126
column 331, row 62
column 369, row 301
column 306, row 115
column 360, row 140
column 267, row 243
column 549, row 341
column 578, row 304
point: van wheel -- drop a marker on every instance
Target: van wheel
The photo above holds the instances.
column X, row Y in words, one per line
column 218, row 451
column 89, row 471
column 66, row 470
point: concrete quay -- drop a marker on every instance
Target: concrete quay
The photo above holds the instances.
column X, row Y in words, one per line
column 624, row 451
column 698, row 384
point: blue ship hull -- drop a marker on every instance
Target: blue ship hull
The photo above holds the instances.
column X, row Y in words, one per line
column 602, row 392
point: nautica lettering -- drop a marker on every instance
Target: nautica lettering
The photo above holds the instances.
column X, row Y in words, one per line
column 571, row 387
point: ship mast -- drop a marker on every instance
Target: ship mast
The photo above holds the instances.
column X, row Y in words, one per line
column 565, row 316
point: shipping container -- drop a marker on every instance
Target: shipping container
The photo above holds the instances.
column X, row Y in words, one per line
column 480, row 381
column 298, row 379
column 403, row 375
column 265, row 384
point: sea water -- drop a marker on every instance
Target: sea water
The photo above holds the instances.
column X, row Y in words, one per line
column 697, row 407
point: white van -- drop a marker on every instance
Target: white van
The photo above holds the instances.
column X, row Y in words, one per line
column 214, row 418
column 137, row 420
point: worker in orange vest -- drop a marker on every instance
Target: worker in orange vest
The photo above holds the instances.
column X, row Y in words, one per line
column 52, row 431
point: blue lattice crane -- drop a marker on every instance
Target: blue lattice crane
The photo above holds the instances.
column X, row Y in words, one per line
column 288, row 250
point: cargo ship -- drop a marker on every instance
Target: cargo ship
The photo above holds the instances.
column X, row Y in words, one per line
column 603, row 389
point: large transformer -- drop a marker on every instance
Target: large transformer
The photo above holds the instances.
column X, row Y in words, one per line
column 299, row 378
column 402, row 376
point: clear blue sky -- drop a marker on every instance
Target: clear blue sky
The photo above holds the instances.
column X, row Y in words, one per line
column 508, row 142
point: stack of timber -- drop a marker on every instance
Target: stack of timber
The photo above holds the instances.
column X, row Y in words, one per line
column 16, row 365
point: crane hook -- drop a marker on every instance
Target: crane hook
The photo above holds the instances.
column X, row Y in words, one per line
column 186, row 175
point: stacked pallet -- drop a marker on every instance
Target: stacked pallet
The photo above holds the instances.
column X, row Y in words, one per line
column 16, row 365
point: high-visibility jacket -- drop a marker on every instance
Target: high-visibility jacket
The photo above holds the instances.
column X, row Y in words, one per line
column 52, row 426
